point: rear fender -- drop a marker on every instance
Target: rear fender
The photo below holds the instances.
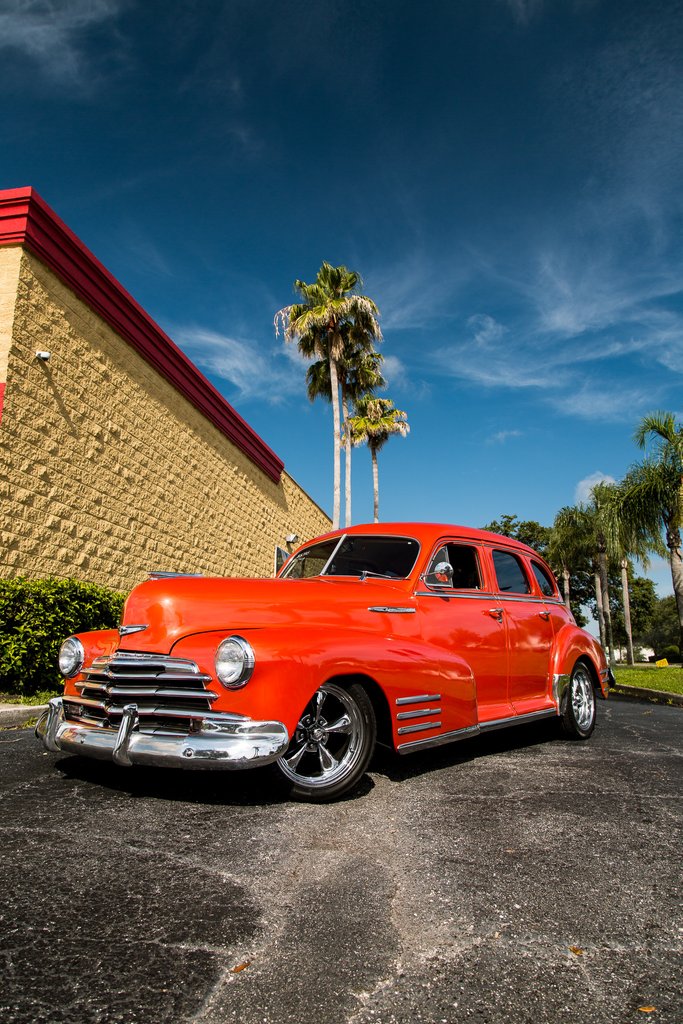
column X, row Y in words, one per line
column 572, row 644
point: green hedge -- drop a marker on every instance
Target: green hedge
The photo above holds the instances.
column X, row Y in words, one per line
column 36, row 616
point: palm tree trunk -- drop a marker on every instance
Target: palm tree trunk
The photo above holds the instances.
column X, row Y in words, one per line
column 334, row 387
column 347, row 456
column 598, row 604
column 627, row 611
column 673, row 542
column 565, row 587
column 375, row 484
column 607, row 612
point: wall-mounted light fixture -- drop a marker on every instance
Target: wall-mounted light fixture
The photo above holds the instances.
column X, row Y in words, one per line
column 43, row 356
column 291, row 538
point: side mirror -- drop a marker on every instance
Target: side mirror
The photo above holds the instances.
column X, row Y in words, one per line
column 440, row 576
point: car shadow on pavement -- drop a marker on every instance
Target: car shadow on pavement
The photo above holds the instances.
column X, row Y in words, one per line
column 259, row 786
column 397, row 767
column 252, row 787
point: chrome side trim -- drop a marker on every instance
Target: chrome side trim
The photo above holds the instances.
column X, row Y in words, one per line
column 472, row 730
column 503, row 723
column 437, row 741
column 418, row 699
column 422, row 727
column 476, row 595
column 399, row 611
column 418, row 714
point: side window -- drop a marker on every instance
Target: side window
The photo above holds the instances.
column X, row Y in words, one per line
column 544, row 580
column 464, row 563
column 510, row 574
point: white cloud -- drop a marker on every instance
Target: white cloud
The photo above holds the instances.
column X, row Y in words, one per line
column 524, row 10
column 394, row 372
column 584, row 487
column 487, row 331
column 51, row 31
column 414, row 292
column 591, row 401
column 504, row 435
column 269, row 377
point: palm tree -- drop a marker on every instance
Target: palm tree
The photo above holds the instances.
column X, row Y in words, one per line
column 376, row 419
column 359, row 373
column 628, row 540
column 591, row 540
column 572, row 546
column 567, row 549
column 329, row 311
column 651, row 493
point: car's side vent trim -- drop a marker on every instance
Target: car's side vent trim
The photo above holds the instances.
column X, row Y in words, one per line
column 419, row 714
column 422, row 727
column 421, row 698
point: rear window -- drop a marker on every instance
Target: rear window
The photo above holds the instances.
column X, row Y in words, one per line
column 510, row 574
column 544, row 580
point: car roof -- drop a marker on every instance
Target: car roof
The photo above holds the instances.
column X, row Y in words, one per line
column 428, row 533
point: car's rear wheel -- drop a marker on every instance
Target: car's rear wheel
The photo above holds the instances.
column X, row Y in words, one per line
column 578, row 717
column 332, row 744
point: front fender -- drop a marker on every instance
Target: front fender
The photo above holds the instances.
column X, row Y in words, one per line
column 96, row 643
column 291, row 664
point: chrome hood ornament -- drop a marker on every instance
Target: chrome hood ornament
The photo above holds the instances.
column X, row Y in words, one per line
column 126, row 630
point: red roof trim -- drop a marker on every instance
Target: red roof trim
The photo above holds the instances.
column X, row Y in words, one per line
column 26, row 219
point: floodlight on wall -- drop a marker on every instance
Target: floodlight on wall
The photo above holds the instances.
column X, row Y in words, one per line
column 291, row 538
column 43, row 356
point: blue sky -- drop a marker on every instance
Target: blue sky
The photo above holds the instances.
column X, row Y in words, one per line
column 506, row 176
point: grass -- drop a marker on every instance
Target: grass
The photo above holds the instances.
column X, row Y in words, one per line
column 650, row 677
column 38, row 698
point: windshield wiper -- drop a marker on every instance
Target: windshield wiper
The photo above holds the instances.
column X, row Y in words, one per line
column 376, row 575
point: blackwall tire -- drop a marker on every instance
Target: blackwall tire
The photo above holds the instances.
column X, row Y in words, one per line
column 578, row 717
column 332, row 745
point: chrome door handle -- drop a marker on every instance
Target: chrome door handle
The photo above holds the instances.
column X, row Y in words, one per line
column 544, row 615
column 497, row 613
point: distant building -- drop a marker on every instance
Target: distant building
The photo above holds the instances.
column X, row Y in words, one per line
column 117, row 456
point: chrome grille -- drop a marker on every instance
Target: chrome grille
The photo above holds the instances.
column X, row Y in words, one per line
column 169, row 692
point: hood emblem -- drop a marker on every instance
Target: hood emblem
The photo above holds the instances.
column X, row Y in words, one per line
column 125, row 630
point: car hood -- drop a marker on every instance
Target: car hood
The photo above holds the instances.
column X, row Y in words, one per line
column 174, row 608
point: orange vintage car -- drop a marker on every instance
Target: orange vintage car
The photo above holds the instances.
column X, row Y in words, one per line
column 406, row 634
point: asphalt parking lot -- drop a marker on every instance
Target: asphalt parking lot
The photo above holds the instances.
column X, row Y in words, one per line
column 518, row 877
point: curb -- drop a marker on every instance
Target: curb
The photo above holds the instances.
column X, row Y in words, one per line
column 13, row 715
column 656, row 696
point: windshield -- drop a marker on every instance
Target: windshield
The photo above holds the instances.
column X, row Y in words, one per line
column 389, row 557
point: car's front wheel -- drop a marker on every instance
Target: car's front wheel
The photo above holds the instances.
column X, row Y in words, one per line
column 332, row 744
column 578, row 717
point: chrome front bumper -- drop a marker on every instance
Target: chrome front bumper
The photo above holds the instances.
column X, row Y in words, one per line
column 225, row 741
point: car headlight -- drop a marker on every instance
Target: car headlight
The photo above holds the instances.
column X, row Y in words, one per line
column 71, row 657
column 234, row 662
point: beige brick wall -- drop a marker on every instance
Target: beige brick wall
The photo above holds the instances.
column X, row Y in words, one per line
column 106, row 471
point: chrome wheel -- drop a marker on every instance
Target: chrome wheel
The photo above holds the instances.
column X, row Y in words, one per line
column 583, row 698
column 332, row 742
column 578, row 720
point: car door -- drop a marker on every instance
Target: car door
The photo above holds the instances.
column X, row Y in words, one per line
column 529, row 632
column 460, row 617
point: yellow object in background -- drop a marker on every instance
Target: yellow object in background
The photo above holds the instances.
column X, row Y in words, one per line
column 662, row 663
